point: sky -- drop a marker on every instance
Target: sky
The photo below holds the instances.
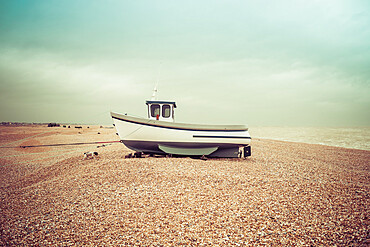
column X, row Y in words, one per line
column 258, row 62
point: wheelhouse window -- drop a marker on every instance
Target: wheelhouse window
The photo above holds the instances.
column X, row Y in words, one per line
column 166, row 111
column 154, row 110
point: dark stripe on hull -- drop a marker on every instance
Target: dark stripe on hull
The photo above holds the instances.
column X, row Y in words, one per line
column 177, row 128
column 232, row 137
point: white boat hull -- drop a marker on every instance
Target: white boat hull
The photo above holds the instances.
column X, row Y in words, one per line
column 158, row 137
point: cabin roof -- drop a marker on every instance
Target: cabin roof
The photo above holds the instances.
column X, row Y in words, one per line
column 161, row 102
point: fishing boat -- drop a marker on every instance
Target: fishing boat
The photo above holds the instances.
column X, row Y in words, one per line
column 160, row 134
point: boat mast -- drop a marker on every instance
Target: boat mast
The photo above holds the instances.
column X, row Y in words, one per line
column 155, row 90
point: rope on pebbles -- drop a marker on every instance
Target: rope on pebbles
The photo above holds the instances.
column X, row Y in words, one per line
column 4, row 146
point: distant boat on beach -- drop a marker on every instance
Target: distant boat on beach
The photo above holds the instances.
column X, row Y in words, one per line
column 160, row 134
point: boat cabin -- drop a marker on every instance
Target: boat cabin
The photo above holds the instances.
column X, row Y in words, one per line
column 161, row 110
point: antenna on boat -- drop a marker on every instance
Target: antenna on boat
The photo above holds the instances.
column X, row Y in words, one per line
column 155, row 90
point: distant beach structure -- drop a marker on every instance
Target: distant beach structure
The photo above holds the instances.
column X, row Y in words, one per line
column 53, row 125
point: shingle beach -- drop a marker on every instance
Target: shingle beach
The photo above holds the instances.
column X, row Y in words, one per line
column 285, row 194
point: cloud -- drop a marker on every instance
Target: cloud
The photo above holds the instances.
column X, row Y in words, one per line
column 47, row 83
column 255, row 62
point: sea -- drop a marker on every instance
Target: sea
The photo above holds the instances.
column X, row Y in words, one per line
column 356, row 137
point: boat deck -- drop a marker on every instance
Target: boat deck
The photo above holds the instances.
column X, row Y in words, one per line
column 181, row 126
